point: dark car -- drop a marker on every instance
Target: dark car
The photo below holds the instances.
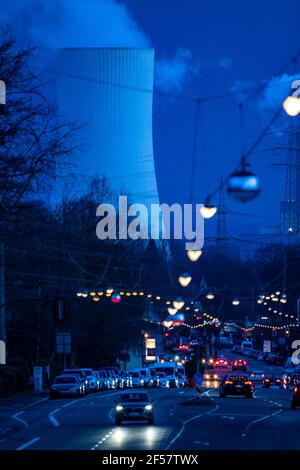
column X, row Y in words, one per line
column 268, row 381
column 236, row 384
column 132, row 406
column 295, row 397
column 239, row 364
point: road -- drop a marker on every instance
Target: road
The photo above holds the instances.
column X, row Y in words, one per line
column 181, row 423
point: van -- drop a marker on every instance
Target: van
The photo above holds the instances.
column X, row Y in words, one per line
column 146, row 375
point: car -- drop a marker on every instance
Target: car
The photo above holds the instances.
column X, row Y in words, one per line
column 222, row 363
column 239, row 364
column 162, row 380
column 93, row 383
column 210, row 376
column 137, row 379
column 295, row 396
column 290, row 378
column 103, row 379
column 99, row 379
column 236, row 384
column 111, row 379
column 67, row 385
column 257, row 376
column 133, row 406
column 81, row 374
column 268, row 381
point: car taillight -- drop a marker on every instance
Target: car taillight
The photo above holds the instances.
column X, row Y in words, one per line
column 267, row 380
column 296, row 389
column 228, row 382
column 248, row 383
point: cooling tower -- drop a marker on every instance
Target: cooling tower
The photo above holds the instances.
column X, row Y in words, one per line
column 110, row 90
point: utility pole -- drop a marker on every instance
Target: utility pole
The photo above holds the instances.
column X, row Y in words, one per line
column 2, row 308
column 222, row 234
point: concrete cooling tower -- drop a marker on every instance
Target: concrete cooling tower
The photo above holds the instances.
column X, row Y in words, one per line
column 110, row 90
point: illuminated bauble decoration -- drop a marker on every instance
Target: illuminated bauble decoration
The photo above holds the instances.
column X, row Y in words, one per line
column 116, row 298
column 96, row 298
column 208, row 210
column 84, row 293
column 79, row 294
column 236, row 302
column 178, row 319
column 260, row 301
column 167, row 323
column 109, row 290
column 243, row 185
column 291, row 105
column 92, row 293
column 210, row 296
column 178, row 303
column 194, row 255
column 172, row 310
column 184, row 279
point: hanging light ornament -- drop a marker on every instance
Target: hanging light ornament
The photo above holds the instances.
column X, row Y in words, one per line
column 172, row 310
column 184, row 279
column 210, row 296
column 236, row 302
column 291, row 105
column 243, row 185
column 79, row 294
column 194, row 255
column 116, row 298
column 178, row 303
column 208, row 210
column 84, row 293
column 109, row 290
column 167, row 323
column 283, row 299
column 96, row 298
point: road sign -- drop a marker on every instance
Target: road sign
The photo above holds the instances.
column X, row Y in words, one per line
column 267, row 346
column 63, row 343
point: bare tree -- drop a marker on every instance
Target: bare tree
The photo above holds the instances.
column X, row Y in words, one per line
column 34, row 140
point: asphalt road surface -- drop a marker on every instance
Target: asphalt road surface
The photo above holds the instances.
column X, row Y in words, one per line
column 181, row 423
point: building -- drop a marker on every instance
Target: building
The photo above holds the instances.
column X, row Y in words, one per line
column 110, row 91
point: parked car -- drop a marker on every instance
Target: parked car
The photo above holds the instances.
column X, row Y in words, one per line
column 81, row 374
column 137, row 379
column 67, row 385
column 103, row 379
column 257, row 376
column 163, row 380
column 93, row 383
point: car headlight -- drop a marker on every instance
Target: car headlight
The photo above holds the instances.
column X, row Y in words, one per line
column 207, row 376
column 215, row 376
column 148, row 407
column 119, row 408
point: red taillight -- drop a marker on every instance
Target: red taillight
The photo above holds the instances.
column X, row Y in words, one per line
column 248, row 383
column 278, row 381
column 235, row 363
column 296, row 389
column 228, row 382
column 267, row 380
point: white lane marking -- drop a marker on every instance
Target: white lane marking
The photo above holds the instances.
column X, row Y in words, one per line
column 102, row 440
column 258, row 421
column 29, row 443
column 228, row 417
column 181, row 393
column 16, row 417
column 187, row 421
column 202, row 443
column 53, row 419
column 4, row 430
column 70, row 403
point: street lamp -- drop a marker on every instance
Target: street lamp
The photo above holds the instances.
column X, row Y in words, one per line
column 184, row 279
column 172, row 310
column 291, row 105
column 210, row 296
column 178, row 303
column 208, row 210
column 243, row 185
column 194, row 255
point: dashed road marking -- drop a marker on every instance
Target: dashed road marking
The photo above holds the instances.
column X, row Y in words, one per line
column 69, row 403
column 259, row 420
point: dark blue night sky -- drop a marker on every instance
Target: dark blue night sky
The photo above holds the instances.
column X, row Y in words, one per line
column 203, row 49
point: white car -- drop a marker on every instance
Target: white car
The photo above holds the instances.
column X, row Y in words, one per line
column 163, row 381
column 92, row 380
column 136, row 379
